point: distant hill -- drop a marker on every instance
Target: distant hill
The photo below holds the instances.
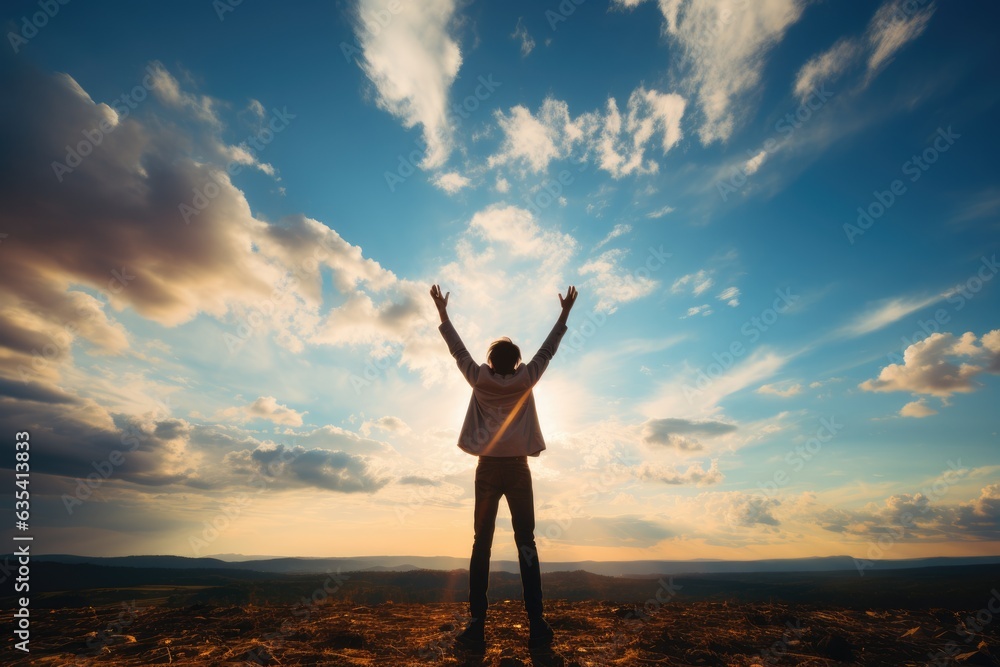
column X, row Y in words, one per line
column 639, row 568
column 61, row 585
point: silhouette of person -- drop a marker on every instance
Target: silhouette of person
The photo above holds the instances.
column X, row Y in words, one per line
column 501, row 428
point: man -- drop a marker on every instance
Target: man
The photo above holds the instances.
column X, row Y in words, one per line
column 501, row 428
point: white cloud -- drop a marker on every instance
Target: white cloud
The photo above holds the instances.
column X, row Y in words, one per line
column 886, row 312
column 517, row 229
column 731, row 295
column 660, row 212
column 297, row 467
column 622, row 146
column 826, row 67
column 695, row 474
column 169, row 92
column 725, row 44
column 521, row 32
column 739, row 509
column 502, row 185
column 896, row 23
column 618, row 143
column 386, row 424
column 265, row 407
column 618, row 230
column 699, row 282
column 451, row 182
column 753, row 164
column 703, row 310
column 533, row 141
column 785, row 391
column 917, row 409
column 932, row 366
column 412, row 60
column 613, row 284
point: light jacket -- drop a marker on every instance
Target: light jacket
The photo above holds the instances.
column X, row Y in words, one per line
column 501, row 420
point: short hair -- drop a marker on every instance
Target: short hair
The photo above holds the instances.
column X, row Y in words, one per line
column 503, row 356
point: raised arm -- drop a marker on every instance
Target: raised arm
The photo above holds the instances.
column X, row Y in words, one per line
column 540, row 361
column 456, row 347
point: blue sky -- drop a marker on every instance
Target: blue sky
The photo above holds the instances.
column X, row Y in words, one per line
column 781, row 216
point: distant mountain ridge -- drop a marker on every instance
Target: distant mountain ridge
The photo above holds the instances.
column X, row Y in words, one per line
column 639, row 568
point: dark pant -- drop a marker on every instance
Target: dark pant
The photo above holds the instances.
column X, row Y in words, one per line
column 504, row 476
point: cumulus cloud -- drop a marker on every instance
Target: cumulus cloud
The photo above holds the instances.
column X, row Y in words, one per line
column 518, row 230
column 297, row 467
column 739, row 509
column 621, row 144
column 980, row 517
column 111, row 237
column 532, row 142
column 265, row 407
column 917, row 409
column 412, row 60
column 725, row 45
column 451, row 182
column 386, row 424
column 169, row 91
column 614, row 284
column 695, row 475
column 680, row 434
column 921, row 516
column 941, row 365
column 617, row 143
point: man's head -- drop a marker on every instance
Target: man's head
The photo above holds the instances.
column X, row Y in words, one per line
column 503, row 356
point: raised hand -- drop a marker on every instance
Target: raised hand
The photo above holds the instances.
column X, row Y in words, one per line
column 567, row 303
column 440, row 301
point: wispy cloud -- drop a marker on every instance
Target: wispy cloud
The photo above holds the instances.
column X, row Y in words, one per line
column 725, row 45
column 894, row 24
column 660, row 212
column 412, row 61
column 521, row 33
column 731, row 295
column 699, row 282
column 886, row 312
column 784, row 391
column 618, row 230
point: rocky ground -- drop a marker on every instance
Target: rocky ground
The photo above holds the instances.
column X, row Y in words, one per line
column 588, row 634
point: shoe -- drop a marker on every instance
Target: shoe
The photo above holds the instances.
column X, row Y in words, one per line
column 540, row 634
column 473, row 637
